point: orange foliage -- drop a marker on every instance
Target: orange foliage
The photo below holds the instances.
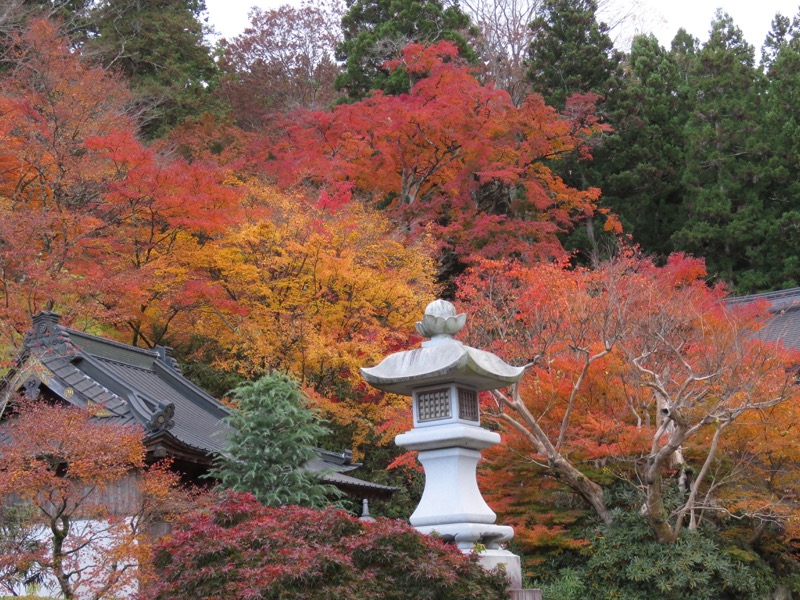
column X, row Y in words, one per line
column 641, row 372
column 62, row 460
column 319, row 294
column 95, row 225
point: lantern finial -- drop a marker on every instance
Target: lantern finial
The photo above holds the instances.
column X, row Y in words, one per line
column 441, row 320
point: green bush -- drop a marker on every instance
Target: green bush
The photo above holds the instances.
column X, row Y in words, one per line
column 624, row 562
column 273, row 436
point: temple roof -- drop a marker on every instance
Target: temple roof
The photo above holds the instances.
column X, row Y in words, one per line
column 145, row 387
column 784, row 308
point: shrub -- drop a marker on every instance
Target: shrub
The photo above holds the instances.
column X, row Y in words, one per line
column 241, row 549
column 274, row 434
column 625, row 562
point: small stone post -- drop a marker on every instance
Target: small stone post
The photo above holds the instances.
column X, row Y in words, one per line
column 444, row 377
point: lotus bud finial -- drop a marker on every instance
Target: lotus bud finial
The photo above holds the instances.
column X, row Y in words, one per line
column 441, row 320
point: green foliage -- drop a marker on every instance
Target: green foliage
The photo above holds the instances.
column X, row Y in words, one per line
column 274, row 434
column 641, row 163
column 628, row 563
column 158, row 46
column 376, row 30
column 723, row 173
column 571, row 52
column 572, row 55
column 625, row 562
column 238, row 549
column 776, row 262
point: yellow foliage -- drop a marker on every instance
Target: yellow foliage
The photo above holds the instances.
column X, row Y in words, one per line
column 319, row 294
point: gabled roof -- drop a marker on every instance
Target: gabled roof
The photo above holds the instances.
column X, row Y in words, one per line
column 146, row 387
column 134, row 385
column 784, row 308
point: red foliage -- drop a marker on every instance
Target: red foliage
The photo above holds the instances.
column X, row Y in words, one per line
column 64, row 462
column 240, row 549
column 453, row 157
column 93, row 224
column 636, row 371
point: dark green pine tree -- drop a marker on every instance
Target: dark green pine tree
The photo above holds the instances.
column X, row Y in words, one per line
column 778, row 260
column 642, row 161
column 376, row 30
column 571, row 52
column 158, row 46
column 274, row 437
column 780, row 35
column 724, row 158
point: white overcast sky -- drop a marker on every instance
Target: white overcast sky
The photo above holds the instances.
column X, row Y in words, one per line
column 662, row 17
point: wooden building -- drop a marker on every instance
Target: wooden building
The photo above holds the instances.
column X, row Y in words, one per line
column 146, row 387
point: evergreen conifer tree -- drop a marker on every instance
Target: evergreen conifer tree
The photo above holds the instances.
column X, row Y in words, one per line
column 724, row 158
column 776, row 265
column 158, row 46
column 642, row 160
column 376, row 30
column 274, row 434
column 571, row 52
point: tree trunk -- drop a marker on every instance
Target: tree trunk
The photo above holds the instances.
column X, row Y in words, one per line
column 577, row 481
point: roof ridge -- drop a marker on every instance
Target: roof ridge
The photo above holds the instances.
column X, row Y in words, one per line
column 777, row 294
column 109, row 342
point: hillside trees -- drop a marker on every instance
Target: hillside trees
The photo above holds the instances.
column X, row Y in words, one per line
column 776, row 266
column 723, row 159
column 283, row 61
column 571, row 52
column 452, row 158
column 228, row 269
column 94, row 224
column 502, row 41
column 644, row 372
column 319, row 290
column 642, row 160
column 51, row 186
column 375, row 31
column 158, row 46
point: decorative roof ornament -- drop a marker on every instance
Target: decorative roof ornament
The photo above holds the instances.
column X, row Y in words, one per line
column 47, row 332
column 440, row 320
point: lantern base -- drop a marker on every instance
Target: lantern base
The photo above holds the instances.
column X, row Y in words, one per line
column 468, row 536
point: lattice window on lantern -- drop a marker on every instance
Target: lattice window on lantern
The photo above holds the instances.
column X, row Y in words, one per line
column 468, row 405
column 433, row 405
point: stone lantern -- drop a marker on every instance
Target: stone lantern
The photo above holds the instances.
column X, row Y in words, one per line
column 444, row 377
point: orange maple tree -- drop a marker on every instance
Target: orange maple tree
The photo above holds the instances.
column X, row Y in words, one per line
column 318, row 291
column 62, row 461
column 93, row 224
column 453, row 158
column 642, row 374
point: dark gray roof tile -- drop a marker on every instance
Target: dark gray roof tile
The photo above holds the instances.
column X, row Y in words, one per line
column 784, row 325
column 135, row 385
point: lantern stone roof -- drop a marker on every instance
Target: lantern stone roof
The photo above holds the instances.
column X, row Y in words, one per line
column 145, row 387
column 441, row 359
